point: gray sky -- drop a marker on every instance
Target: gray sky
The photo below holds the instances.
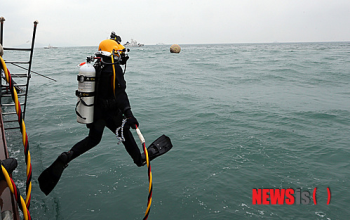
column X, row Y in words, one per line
column 86, row 22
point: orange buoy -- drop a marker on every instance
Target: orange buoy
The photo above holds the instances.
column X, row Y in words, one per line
column 175, row 48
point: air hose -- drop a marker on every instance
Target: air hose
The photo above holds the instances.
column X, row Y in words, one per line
column 23, row 131
column 15, row 192
column 150, row 186
column 114, row 76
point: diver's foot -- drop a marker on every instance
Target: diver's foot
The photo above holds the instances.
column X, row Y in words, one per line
column 50, row 176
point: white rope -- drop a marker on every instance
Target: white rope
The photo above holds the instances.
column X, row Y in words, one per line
column 121, row 129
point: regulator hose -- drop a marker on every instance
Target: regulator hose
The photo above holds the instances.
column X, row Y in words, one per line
column 23, row 131
column 114, row 76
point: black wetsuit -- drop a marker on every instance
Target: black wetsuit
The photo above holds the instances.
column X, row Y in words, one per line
column 109, row 111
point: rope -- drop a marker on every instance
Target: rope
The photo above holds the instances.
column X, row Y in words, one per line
column 23, row 131
column 121, row 129
column 15, row 192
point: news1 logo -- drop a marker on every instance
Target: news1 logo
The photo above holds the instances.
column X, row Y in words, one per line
column 285, row 196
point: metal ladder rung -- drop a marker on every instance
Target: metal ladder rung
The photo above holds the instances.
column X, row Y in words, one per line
column 24, row 49
column 19, row 62
column 14, row 85
column 12, row 104
column 9, row 95
column 12, row 128
column 9, row 113
column 18, row 75
column 6, row 86
column 11, row 121
column 19, row 89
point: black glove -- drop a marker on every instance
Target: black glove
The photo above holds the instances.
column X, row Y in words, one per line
column 131, row 120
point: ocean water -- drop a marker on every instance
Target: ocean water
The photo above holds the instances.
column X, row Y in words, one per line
column 240, row 117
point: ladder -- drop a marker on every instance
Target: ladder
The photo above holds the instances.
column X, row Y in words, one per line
column 20, row 81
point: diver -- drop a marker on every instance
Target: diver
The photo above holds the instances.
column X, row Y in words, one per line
column 111, row 109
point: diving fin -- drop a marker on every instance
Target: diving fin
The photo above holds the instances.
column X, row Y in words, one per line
column 50, row 177
column 157, row 148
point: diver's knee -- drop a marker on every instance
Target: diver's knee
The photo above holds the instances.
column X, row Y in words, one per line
column 96, row 140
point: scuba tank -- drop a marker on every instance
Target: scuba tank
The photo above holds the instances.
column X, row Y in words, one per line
column 86, row 92
column 87, row 77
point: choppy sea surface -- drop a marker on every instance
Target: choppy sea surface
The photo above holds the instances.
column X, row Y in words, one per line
column 240, row 117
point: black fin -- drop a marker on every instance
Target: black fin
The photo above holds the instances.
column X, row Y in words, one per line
column 50, row 177
column 158, row 147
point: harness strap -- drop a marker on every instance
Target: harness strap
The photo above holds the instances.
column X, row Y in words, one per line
column 76, row 111
column 82, row 78
column 80, row 95
column 84, row 94
column 84, row 103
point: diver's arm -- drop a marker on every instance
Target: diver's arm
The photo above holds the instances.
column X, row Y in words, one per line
column 123, row 102
column 122, row 98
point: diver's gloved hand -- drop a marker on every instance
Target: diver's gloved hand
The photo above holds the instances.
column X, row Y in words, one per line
column 131, row 120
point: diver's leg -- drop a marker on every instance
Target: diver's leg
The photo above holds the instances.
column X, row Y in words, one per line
column 129, row 143
column 51, row 175
column 132, row 148
column 93, row 139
